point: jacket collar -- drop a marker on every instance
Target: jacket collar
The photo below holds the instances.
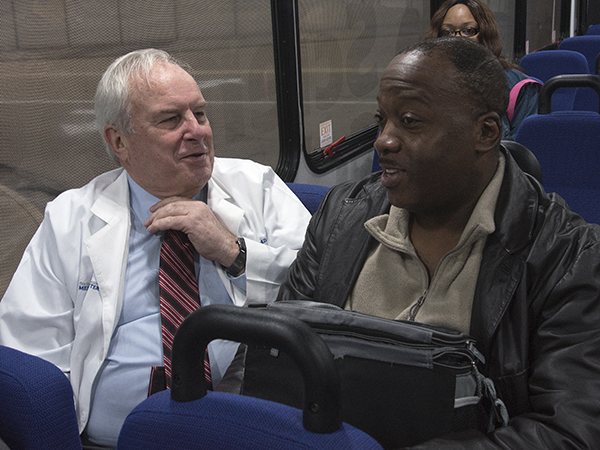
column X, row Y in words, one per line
column 516, row 208
column 113, row 201
column 503, row 260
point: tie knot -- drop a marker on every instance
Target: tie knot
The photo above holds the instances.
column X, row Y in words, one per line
column 177, row 244
column 177, row 236
column 180, row 242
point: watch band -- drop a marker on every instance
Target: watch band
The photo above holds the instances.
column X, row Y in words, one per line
column 239, row 264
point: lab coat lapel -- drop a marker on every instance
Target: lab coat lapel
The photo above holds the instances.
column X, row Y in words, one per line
column 230, row 216
column 220, row 202
column 108, row 247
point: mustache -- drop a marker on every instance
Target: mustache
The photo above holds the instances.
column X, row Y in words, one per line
column 386, row 161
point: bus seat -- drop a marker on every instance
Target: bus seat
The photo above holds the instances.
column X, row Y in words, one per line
column 37, row 411
column 188, row 417
column 593, row 30
column 586, row 99
column 376, row 166
column 310, row 195
column 567, row 146
column 588, row 45
column 547, row 64
column 582, row 87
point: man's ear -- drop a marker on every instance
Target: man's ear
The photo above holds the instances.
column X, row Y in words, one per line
column 115, row 140
column 489, row 131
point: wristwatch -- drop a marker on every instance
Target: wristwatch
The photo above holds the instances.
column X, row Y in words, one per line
column 237, row 267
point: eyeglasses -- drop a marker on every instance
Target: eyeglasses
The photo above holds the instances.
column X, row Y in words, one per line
column 465, row 32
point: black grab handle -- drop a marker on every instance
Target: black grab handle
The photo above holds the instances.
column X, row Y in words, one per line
column 560, row 81
column 322, row 399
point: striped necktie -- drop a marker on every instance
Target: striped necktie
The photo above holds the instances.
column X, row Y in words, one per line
column 178, row 292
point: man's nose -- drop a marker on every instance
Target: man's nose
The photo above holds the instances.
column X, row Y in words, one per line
column 193, row 128
column 386, row 141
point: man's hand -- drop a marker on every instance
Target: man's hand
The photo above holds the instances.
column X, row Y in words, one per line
column 194, row 218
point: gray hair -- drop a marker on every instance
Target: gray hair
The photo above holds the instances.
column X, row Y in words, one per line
column 112, row 104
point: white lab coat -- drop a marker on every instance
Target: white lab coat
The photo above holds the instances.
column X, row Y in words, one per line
column 65, row 298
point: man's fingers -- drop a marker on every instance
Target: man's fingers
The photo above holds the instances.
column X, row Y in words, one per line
column 171, row 208
column 195, row 219
column 165, row 223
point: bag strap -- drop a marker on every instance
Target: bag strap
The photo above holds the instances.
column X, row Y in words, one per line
column 496, row 409
column 514, row 95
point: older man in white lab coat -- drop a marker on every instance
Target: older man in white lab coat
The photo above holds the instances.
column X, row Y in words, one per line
column 85, row 295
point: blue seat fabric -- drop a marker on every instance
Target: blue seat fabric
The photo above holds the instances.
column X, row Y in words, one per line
column 550, row 63
column 587, row 45
column 310, row 195
column 567, row 146
column 223, row 421
column 37, row 411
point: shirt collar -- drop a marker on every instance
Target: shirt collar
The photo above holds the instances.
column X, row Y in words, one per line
column 141, row 200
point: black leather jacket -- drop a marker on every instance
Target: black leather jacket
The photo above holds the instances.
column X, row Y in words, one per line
column 536, row 312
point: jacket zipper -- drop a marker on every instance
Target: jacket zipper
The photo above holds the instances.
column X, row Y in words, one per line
column 414, row 309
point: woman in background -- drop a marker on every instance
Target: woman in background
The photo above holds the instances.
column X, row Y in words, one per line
column 474, row 20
